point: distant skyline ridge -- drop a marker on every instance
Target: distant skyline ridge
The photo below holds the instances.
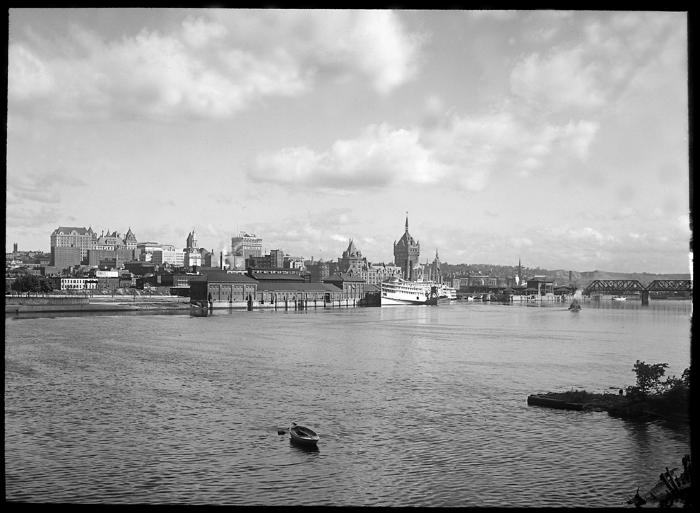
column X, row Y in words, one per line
column 558, row 136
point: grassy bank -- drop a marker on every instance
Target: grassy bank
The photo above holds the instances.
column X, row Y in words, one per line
column 650, row 398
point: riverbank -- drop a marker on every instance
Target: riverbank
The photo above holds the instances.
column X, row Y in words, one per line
column 50, row 304
column 616, row 405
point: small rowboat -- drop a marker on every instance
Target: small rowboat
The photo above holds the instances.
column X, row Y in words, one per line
column 303, row 435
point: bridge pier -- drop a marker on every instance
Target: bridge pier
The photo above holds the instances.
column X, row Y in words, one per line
column 645, row 297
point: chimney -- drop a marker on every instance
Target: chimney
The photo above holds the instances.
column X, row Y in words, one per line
column 221, row 260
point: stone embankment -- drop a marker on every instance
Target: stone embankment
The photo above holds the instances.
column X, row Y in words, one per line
column 19, row 305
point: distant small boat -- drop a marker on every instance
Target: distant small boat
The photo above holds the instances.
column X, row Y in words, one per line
column 303, row 435
column 198, row 309
column 575, row 306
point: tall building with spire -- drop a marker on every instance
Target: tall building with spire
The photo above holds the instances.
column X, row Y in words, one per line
column 407, row 253
column 193, row 257
column 433, row 269
column 191, row 240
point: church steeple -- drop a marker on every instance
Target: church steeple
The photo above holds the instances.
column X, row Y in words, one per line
column 406, row 222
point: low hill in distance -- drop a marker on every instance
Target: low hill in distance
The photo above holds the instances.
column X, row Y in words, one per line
column 560, row 276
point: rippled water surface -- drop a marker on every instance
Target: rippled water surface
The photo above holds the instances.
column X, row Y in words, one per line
column 415, row 406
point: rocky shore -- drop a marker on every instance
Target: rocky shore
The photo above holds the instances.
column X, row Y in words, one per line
column 616, row 405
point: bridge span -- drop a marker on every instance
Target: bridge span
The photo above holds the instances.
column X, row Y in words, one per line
column 635, row 286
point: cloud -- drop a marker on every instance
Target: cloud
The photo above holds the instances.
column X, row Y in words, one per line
column 562, row 79
column 615, row 50
column 380, row 156
column 210, row 65
column 462, row 152
column 37, row 187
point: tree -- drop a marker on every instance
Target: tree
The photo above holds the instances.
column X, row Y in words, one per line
column 649, row 377
column 31, row 283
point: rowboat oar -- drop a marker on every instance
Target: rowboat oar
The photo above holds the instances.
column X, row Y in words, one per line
column 281, row 431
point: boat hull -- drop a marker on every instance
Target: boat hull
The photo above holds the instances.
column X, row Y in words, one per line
column 303, row 436
column 388, row 301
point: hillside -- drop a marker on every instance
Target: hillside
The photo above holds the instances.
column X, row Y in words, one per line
column 560, row 276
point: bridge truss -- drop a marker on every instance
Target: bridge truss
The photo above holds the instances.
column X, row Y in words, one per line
column 614, row 286
column 632, row 286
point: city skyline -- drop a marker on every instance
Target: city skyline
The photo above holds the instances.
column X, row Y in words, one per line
column 556, row 137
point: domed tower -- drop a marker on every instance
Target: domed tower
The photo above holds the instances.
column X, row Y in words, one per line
column 407, row 253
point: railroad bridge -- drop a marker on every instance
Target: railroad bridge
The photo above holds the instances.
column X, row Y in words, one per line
column 634, row 286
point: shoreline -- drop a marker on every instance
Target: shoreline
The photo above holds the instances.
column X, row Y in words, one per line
column 53, row 304
column 616, row 405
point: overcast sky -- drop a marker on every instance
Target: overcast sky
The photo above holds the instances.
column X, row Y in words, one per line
column 559, row 138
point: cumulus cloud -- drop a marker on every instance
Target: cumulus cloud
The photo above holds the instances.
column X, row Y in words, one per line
column 211, row 65
column 380, row 156
column 462, row 152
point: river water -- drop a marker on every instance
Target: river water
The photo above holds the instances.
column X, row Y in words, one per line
column 415, row 406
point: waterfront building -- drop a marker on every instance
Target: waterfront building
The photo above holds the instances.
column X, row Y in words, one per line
column 222, row 288
column 354, row 287
column 406, row 254
column 540, row 288
column 264, row 289
column 73, row 237
column 282, row 294
column 76, row 283
column 286, row 275
column 246, row 244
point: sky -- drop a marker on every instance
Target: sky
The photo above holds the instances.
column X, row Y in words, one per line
column 557, row 138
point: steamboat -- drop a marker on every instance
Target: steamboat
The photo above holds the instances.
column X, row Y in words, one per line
column 396, row 291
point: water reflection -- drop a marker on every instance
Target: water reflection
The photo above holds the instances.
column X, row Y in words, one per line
column 304, row 448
